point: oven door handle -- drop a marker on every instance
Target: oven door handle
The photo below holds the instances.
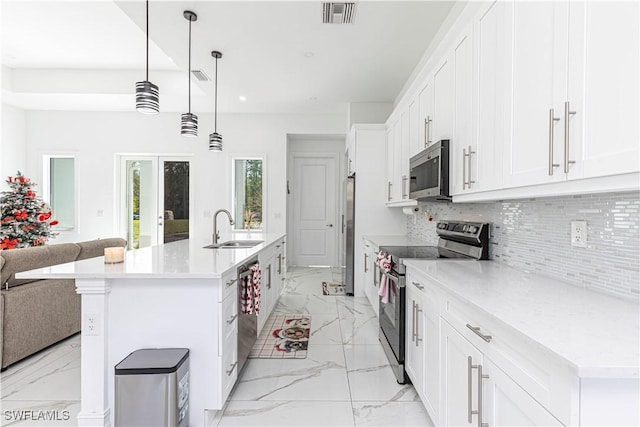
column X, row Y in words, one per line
column 394, row 278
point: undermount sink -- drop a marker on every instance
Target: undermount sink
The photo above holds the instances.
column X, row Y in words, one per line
column 235, row 244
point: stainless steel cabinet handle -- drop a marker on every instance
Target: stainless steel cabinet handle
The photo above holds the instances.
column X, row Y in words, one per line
column 464, row 168
column 480, row 378
column 413, row 325
column 552, row 120
column 466, row 156
column 231, row 282
column 418, row 285
column 427, row 131
column 389, row 191
column 365, row 263
column 470, row 412
column 476, row 330
column 279, row 263
column 330, row 225
column 567, row 113
column 342, row 224
column 232, row 318
column 418, row 339
column 232, row 368
column 269, row 276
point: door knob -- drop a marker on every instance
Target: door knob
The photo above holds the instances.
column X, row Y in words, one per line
column 329, row 225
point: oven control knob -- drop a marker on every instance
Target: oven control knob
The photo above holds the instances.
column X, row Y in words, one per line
column 473, row 229
column 465, row 228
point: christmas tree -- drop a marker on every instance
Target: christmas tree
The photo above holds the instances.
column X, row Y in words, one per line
column 25, row 219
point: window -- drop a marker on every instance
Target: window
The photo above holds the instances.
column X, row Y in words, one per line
column 59, row 189
column 247, row 193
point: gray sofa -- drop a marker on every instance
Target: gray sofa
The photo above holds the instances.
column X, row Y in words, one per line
column 35, row 314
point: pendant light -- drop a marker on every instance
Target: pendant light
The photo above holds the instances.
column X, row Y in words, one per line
column 189, row 122
column 215, row 139
column 147, row 94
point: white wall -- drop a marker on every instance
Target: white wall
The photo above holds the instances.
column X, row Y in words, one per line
column 96, row 137
column 368, row 112
column 13, row 145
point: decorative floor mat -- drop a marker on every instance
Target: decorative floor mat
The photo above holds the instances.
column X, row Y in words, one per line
column 284, row 336
column 333, row 289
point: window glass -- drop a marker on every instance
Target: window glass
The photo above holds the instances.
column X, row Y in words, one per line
column 62, row 190
column 248, row 194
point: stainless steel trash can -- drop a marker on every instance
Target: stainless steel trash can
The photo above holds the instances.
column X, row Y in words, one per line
column 152, row 388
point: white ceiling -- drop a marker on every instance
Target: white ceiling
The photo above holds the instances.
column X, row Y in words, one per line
column 87, row 55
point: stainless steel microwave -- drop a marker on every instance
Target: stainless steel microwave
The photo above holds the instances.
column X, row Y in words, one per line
column 430, row 173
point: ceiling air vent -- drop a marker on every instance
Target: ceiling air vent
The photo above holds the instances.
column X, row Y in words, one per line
column 200, row 75
column 338, row 13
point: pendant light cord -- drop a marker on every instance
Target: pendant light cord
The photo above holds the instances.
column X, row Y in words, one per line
column 215, row 113
column 189, row 70
column 147, row 40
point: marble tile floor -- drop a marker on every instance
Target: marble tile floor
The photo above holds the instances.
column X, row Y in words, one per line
column 344, row 381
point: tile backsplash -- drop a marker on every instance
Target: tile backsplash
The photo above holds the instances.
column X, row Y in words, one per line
column 534, row 235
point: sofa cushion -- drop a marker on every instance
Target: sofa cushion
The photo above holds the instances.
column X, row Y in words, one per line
column 94, row 248
column 17, row 260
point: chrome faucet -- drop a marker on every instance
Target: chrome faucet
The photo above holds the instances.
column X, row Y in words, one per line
column 216, row 235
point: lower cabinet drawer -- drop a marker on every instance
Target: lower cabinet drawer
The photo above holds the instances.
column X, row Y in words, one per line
column 229, row 373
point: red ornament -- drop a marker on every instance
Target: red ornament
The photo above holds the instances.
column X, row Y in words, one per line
column 44, row 216
column 8, row 243
column 30, row 194
column 54, row 222
column 22, row 215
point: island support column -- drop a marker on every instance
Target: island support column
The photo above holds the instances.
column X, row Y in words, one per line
column 94, row 399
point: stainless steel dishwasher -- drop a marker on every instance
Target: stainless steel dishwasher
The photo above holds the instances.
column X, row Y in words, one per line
column 247, row 323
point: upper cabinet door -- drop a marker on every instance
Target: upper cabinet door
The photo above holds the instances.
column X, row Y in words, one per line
column 390, row 162
column 442, row 102
column 603, row 88
column 538, row 54
column 415, row 145
column 463, row 168
column 490, row 93
column 425, row 108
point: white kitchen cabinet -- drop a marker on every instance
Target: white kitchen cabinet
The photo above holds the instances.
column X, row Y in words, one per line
column 414, row 354
column 574, row 101
column 435, row 105
column 489, row 97
column 460, row 379
column 403, row 163
column 369, row 270
column 603, row 90
column 390, row 151
column 398, row 161
column 506, row 404
column 464, row 169
column 415, row 145
column 425, row 114
column 423, row 341
column 351, row 153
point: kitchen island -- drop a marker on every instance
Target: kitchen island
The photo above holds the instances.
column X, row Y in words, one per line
column 176, row 295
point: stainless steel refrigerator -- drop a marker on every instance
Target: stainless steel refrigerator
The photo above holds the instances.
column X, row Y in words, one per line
column 348, row 234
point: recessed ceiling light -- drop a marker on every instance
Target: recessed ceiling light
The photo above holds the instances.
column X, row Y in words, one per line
column 313, row 98
column 309, row 54
column 242, row 98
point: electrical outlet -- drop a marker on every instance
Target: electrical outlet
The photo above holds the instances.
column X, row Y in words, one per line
column 91, row 324
column 579, row 234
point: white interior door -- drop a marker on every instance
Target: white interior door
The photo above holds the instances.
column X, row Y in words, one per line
column 155, row 199
column 315, row 225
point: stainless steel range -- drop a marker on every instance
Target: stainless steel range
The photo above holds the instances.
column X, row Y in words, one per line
column 457, row 239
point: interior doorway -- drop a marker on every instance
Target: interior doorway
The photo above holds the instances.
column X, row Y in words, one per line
column 155, row 199
column 314, row 192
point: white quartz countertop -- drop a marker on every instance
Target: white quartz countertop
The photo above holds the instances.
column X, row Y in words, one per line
column 596, row 333
column 395, row 240
column 181, row 259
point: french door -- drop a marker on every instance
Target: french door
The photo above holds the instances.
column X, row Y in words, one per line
column 155, row 202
